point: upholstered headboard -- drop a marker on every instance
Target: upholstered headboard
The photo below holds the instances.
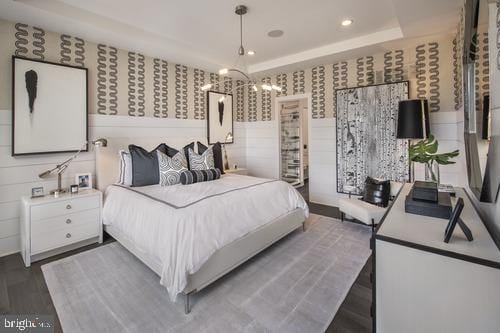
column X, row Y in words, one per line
column 108, row 160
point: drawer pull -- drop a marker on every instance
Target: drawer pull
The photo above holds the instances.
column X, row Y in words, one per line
column 68, row 206
column 68, row 235
column 68, row 221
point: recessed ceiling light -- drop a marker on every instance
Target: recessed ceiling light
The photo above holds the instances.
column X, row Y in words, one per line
column 346, row 22
column 275, row 33
column 250, row 52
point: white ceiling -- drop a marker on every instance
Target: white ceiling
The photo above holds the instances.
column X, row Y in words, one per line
column 205, row 33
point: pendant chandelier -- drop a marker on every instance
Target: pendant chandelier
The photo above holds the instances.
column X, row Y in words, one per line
column 251, row 82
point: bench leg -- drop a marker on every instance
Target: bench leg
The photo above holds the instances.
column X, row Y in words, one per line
column 342, row 216
column 304, row 226
column 373, row 225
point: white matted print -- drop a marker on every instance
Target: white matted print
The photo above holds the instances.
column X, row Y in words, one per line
column 49, row 107
column 220, row 116
column 84, row 181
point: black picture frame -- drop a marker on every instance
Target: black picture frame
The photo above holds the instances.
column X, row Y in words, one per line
column 210, row 140
column 454, row 220
column 13, row 123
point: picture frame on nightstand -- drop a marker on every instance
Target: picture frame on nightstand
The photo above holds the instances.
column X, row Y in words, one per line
column 37, row 192
column 84, row 180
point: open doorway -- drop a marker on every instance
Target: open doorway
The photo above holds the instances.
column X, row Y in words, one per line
column 293, row 121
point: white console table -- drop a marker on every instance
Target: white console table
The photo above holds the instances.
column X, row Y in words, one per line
column 422, row 284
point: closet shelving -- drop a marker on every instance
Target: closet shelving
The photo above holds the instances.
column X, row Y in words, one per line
column 291, row 147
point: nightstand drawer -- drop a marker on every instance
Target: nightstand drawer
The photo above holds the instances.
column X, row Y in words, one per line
column 63, row 221
column 63, row 207
column 49, row 240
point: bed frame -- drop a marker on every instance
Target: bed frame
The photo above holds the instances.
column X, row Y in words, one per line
column 223, row 260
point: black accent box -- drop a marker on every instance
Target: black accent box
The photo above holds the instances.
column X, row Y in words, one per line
column 427, row 191
column 441, row 209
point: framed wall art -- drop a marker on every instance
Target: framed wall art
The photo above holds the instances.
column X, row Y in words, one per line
column 49, row 107
column 219, row 117
column 366, row 135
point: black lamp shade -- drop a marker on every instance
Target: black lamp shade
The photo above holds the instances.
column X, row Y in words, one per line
column 413, row 119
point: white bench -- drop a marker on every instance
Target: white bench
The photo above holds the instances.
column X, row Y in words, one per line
column 365, row 212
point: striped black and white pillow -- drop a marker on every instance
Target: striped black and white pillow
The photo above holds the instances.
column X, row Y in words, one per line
column 204, row 161
column 196, row 176
column 125, row 168
column 171, row 168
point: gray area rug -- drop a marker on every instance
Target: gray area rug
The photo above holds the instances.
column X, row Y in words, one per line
column 297, row 285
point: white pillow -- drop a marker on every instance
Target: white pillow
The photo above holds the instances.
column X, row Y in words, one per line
column 171, row 167
column 125, row 168
column 204, row 161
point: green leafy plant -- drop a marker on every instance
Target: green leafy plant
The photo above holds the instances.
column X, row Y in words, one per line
column 425, row 151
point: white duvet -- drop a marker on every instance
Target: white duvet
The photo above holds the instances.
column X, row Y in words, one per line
column 183, row 225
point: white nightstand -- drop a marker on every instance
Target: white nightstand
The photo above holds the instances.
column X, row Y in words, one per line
column 239, row 171
column 53, row 225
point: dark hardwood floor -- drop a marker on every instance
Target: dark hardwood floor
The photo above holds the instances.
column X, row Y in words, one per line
column 23, row 290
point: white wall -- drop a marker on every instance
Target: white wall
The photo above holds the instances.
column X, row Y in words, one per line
column 19, row 174
column 262, row 148
column 448, row 128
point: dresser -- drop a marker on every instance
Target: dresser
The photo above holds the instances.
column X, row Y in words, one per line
column 53, row 225
column 422, row 284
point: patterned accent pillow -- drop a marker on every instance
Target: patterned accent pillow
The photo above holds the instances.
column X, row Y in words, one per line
column 171, row 168
column 125, row 168
column 204, row 161
column 196, row 176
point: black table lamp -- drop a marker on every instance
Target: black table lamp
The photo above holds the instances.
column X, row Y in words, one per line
column 413, row 119
column 413, row 123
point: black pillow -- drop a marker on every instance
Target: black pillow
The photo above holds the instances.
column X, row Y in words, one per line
column 145, row 170
column 172, row 151
column 217, row 148
column 196, row 176
column 377, row 192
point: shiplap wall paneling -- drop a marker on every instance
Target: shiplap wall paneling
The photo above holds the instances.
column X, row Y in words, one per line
column 323, row 162
column 262, row 151
column 447, row 127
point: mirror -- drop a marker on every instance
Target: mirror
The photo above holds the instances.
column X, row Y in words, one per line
column 477, row 119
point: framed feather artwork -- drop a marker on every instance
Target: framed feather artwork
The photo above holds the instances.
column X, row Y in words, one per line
column 49, row 107
column 219, row 116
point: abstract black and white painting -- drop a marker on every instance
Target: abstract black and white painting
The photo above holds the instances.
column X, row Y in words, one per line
column 220, row 116
column 49, row 107
column 366, row 135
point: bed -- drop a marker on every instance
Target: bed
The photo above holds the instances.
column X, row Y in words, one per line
column 191, row 235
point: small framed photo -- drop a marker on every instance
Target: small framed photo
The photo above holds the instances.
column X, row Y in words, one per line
column 454, row 220
column 73, row 189
column 37, row 192
column 84, row 181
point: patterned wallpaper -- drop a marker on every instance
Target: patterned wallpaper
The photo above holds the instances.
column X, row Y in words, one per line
column 130, row 83
column 120, row 82
column 428, row 66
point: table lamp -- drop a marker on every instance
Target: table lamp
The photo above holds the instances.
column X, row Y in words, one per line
column 413, row 123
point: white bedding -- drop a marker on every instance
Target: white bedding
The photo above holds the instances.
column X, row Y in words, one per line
column 183, row 225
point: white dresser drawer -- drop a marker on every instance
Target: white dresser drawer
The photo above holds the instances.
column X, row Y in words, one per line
column 52, row 239
column 63, row 207
column 63, row 221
